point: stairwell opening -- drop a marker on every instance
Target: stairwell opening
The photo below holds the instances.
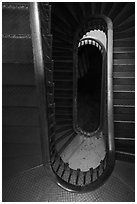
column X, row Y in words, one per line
column 90, row 82
column 89, row 87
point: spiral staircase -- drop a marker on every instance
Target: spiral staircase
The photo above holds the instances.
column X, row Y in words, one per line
column 61, row 26
column 66, row 18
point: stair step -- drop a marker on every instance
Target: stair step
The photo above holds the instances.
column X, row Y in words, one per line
column 124, row 43
column 124, row 117
column 125, row 96
column 125, row 145
column 61, row 49
column 63, row 76
column 19, row 96
column 64, row 103
column 61, row 94
column 124, row 50
column 63, row 61
column 15, row 18
column 63, row 128
column 64, row 98
column 64, row 108
column 124, row 75
column 124, row 88
column 63, row 85
column 62, row 44
column 63, row 53
column 63, row 80
column 124, row 61
column 124, row 110
column 18, row 49
column 126, row 102
column 123, row 129
column 20, row 116
column 59, row 46
column 18, row 74
column 124, row 81
column 63, row 64
column 124, row 68
column 64, row 135
column 127, row 15
column 64, row 122
column 64, row 116
column 126, row 25
column 124, row 35
column 62, row 57
column 63, row 71
column 66, row 143
column 125, row 156
column 130, row 55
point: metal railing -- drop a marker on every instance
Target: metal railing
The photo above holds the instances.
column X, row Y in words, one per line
column 58, row 171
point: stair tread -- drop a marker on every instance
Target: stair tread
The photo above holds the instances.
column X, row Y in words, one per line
column 123, row 74
column 124, row 61
column 124, row 49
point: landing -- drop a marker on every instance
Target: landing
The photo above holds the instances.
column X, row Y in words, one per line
column 84, row 153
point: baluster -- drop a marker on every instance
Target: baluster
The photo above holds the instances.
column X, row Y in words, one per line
column 77, row 178
column 91, row 174
column 53, row 153
column 101, row 166
column 97, row 170
column 84, row 177
column 55, row 157
column 65, row 167
column 70, row 174
column 60, row 161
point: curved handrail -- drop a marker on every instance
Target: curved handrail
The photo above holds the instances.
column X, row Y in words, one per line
column 110, row 121
column 41, row 91
column 39, row 77
column 109, row 49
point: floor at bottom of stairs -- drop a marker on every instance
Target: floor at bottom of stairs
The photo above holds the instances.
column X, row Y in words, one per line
column 34, row 185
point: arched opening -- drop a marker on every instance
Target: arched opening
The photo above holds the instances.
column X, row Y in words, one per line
column 89, row 87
